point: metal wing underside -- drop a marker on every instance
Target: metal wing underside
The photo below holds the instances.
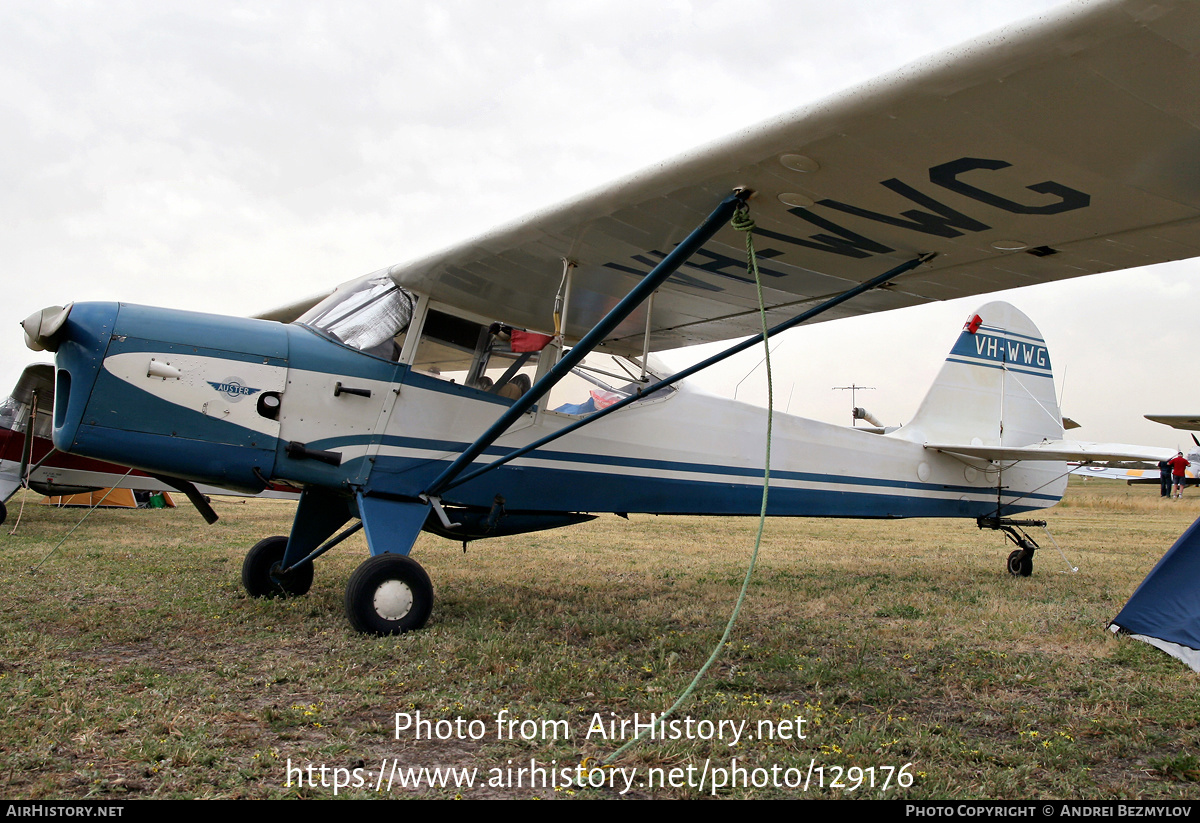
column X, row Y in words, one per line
column 1187, row 422
column 36, row 377
column 1065, row 147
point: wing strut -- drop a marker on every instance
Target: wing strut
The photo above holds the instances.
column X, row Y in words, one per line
column 704, row 364
column 637, row 295
column 27, row 444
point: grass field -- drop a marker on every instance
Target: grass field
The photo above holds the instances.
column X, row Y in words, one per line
column 132, row 665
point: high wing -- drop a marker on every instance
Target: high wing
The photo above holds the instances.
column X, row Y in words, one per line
column 1064, row 147
column 1188, row 422
column 36, row 378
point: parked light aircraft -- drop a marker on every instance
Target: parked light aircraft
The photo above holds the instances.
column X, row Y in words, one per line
column 1063, row 148
column 1135, row 475
column 1152, row 475
column 28, row 457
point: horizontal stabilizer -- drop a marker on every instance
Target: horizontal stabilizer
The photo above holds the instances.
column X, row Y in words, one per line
column 1058, row 451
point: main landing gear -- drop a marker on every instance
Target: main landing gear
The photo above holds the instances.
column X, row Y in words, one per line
column 262, row 571
column 1020, row 561
column 387, row 594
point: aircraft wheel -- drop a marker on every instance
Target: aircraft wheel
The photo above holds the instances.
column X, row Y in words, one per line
column 388, row 594
column 3, row 512
column 1020, row 564
column 260, row 571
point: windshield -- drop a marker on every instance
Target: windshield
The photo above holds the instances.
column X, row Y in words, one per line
column 9, row 410
column 366, row 313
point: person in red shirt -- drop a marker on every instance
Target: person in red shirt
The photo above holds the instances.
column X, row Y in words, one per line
column 1178, row 465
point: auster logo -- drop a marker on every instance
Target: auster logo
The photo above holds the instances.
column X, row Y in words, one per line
column 233, row 388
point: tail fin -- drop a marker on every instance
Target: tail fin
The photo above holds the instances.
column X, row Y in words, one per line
column 995, row 388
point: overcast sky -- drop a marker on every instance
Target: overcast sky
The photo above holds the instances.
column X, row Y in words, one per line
column 232, row 157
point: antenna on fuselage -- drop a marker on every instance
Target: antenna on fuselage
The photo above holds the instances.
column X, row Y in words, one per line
column 853, row 389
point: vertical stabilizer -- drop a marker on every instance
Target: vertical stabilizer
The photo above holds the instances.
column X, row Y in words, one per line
column 995, row 388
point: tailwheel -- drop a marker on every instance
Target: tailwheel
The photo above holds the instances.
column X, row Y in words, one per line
column 1020, row 563
column 262, row 571
column 389, row 594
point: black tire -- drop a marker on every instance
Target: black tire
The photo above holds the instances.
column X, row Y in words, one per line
column 1020, row 564
column 260, row 571
column 3, row 512
column 389, row 594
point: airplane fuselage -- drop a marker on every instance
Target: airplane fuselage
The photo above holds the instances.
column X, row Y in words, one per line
column 238, row 402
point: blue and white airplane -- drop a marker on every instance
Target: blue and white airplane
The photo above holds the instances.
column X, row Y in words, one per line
column 507, row 384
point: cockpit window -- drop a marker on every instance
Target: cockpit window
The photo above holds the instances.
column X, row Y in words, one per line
column 9, row 409
column 493, row 358
column 370, row 314
column 15, row 415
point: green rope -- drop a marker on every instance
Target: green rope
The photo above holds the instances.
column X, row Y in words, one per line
column 742, row 222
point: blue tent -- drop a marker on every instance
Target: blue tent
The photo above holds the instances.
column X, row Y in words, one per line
column 1165, row 609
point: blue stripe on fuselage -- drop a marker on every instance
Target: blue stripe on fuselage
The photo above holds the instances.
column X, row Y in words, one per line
column 577, row 487
column 539, row 488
